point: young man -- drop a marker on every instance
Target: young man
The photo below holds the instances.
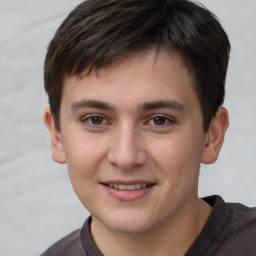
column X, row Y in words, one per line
column 136, row 89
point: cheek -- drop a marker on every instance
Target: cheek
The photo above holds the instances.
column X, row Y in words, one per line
column 178, row 157
column 84, row 154
column 84, row 158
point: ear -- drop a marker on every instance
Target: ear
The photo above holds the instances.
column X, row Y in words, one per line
column 215, row 136
column 58, row 153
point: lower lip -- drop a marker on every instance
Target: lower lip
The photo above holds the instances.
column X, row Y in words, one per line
column 128, row 195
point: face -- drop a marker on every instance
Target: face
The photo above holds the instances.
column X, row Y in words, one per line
column 132, row 136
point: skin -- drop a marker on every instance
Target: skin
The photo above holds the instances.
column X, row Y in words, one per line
column 138, row 121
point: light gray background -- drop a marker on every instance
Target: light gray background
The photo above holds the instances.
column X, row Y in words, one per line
column 37, row 204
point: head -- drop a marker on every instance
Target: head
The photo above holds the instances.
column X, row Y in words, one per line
column 135, row 88
column 100, row 33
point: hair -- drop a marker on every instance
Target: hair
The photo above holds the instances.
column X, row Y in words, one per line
column 98, row 33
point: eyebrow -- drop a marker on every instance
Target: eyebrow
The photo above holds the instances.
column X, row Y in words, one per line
column 91, row 104
column 172, row 104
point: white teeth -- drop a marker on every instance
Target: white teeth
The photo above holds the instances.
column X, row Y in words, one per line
column 122, row 187
column 138, row 186
column 127, row 187
column 131, row 187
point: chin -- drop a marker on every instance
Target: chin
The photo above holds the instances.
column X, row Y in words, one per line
column 127, row 223
column 129, row 228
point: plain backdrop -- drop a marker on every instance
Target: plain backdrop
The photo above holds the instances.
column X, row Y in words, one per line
column 37, row 203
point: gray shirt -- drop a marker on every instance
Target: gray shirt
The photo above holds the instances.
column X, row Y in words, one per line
column 229, row 231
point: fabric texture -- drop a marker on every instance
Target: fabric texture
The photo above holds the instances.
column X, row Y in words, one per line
column 230, row 230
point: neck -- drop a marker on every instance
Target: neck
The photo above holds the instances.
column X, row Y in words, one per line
column 172, row 238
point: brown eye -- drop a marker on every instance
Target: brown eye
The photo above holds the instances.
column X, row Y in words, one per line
column 97, row 120
column 159, row 120
column 94, row 121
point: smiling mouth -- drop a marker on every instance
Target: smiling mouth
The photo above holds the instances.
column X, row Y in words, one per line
column 128, row 191
column 129, row 187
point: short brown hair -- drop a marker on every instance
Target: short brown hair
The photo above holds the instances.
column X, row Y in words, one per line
column 99, row 32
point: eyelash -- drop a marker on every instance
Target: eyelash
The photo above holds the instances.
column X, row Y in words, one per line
column 167, row 121
column 88, row 120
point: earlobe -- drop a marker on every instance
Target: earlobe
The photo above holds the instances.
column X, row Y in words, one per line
column 215, row 137
column 58, row 153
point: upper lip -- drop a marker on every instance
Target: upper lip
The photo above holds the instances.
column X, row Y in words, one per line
column 130, row 182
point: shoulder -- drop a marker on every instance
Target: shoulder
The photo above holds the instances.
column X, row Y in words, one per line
column 235, row 215
column 69, row 245
column 236, row 232
column 242, row 218
column 240, row 231
column 78, row 243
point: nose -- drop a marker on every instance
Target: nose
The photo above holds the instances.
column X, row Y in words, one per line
column 126, row 150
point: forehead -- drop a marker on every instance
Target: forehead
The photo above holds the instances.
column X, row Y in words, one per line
column 155, row 58
column 145, row 75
